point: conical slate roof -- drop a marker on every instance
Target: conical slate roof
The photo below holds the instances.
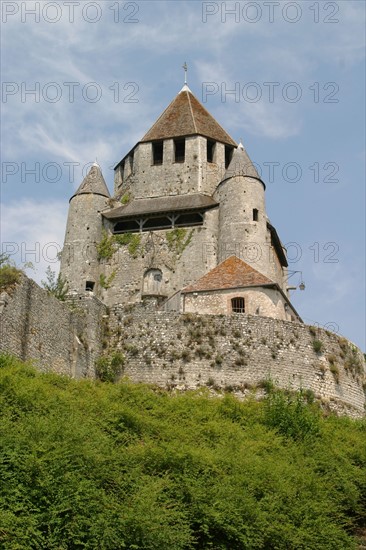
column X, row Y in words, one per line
column 231, row 273
column 93, row 183
column 185, row 116
column 241, row 165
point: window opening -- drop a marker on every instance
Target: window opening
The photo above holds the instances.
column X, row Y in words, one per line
column 228, row 155
column 89, row 286
column 179, row 150
column 158, row 150
column 238, row 305
column 210, row 150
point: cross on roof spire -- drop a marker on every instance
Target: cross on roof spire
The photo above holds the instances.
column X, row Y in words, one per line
column 185, row 67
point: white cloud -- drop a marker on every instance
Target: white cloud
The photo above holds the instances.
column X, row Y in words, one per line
column 33, row 231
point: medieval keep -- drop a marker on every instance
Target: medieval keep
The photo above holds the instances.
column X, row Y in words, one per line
column 179, row 279
column 186, row 229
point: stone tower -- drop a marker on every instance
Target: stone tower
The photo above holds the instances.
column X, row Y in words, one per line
column 79, row 258
column 244, row 228
column 187, row 200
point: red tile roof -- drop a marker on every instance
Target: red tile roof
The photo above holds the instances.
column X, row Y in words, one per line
column 231, row 273
column 186, row 116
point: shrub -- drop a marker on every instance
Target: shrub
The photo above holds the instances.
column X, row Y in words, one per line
column 109, row 367
column 317, row 346
column 58, row 287
column 291, row 415
column 9, row 276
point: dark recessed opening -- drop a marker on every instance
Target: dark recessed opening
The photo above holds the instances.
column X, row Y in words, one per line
column 238, row 305
column 157, row 223
column 193, row 218
column 255, row 215
column 157, row 152
column 128, row 226
column 179, row 150
column 210, row 150
column 89, row 286
column 228, row 155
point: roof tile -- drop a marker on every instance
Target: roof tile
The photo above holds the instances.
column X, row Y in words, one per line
column 231, row 273
column 186, row 116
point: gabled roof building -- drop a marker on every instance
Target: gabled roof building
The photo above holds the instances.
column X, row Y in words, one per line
column 186, row 228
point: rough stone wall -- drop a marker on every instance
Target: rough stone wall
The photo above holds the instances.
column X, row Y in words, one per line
column 194, row 175
column 238, row 353
column 58, row 338
column 180, row 265
column 79, row 258
column 239, row 234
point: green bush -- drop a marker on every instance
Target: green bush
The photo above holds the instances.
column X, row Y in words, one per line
column 317, row 346
column 96, row 466
column 9, row 276
column 109, row 367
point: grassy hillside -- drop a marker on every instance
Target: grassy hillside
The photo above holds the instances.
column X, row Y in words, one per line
column 87, row 465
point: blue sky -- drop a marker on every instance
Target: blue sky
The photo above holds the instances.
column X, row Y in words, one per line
column 102, row 72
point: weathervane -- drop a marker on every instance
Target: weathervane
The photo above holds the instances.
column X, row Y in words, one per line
column 185, row 67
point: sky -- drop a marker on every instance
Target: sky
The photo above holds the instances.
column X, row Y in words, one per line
column 85, row 80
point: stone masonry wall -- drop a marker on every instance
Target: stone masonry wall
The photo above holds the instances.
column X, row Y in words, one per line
column 57, row 337
column 238, row 353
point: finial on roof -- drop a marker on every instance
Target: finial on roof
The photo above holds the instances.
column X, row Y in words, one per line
column 185, row 87
column 240, row 146
column 95, row 163
column 185, row 67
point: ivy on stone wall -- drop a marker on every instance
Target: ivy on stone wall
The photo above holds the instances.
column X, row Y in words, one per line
column 106, row 247
column 178, row 240
column 132, row 241
column 106, row 282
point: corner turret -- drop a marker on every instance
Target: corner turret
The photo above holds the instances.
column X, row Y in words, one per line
column 79, row 259
column 244, row 228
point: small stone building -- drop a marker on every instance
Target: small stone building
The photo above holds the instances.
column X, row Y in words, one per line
column 235, row 287
column 186, row 227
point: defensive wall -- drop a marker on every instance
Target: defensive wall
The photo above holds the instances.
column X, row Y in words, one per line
column 239, row 353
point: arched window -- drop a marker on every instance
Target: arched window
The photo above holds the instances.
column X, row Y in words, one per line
column 153, row 279
column 237, row 305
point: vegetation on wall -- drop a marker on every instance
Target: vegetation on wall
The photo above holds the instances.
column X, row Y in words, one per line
column 106, row 247
column 178, row 240
column 109, row 367
column 125, row 199
column 87, row 465
column 9, row 274
column 106, row 282
column 132, row 241
column 57, row 286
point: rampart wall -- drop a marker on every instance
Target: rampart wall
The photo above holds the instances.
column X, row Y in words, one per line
column 58, row 337
column 239, row 353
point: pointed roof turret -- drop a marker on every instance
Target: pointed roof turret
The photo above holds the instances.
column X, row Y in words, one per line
column 93, row 183
column 185, row 116
column 241, row 165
